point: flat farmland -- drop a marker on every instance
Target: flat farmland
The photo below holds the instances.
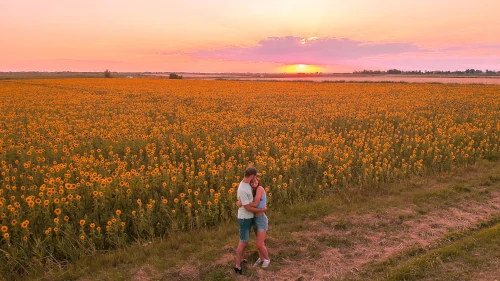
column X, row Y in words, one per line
column 88, row 165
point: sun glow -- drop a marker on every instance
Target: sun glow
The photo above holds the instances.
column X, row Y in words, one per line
column 300, row 68
column 303, row 41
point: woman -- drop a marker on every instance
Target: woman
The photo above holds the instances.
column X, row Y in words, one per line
column 260, row 222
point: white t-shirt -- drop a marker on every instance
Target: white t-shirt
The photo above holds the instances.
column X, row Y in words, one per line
column 246, row 197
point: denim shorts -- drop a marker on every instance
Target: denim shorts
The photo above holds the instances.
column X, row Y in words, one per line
column 245, row 226
column 261, row 223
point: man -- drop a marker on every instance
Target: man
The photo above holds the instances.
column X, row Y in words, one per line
column 245, row 215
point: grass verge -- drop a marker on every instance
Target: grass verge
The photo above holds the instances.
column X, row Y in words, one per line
column 474, row 255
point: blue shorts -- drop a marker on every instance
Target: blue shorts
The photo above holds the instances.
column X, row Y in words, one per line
column 261, row 223
column 245, row 227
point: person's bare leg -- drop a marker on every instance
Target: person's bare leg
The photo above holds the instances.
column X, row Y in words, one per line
column 243, row 255
column 256, row 235
column 240, row 250
column 261, row 247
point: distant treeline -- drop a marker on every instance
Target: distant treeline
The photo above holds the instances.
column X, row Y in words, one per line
column 397, row 71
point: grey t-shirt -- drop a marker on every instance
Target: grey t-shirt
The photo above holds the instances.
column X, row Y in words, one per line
column 246, row 197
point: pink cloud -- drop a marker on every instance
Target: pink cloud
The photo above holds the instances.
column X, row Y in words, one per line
column 358, row 54
column 291, row 50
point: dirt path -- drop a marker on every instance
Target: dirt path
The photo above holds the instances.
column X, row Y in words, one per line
column 372, row 238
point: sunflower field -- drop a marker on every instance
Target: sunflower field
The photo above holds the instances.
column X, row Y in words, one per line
column 94, row 164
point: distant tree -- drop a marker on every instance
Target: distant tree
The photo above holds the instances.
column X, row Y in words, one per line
column 175, row 76
column 371, row 72
column 107, row 74
column 394, row 71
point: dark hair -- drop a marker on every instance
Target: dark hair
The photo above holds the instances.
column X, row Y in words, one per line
column 250, row 171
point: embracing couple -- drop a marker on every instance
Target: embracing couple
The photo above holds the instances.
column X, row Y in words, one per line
column 251, row 214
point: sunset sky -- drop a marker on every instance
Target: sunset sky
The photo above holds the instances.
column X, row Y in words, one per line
column 249, row 36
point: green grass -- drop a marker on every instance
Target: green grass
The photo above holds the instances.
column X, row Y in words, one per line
column 466, row 253
column 460, row 260
column 303, row 231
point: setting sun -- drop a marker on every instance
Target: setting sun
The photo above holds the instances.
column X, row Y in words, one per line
column 300, row 68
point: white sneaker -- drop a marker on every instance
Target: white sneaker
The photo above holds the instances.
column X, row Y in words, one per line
column 258, row 262
column 266, row 263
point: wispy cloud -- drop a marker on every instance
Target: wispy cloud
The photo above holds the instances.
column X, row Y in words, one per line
column 471, row 47
column 89, row 61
